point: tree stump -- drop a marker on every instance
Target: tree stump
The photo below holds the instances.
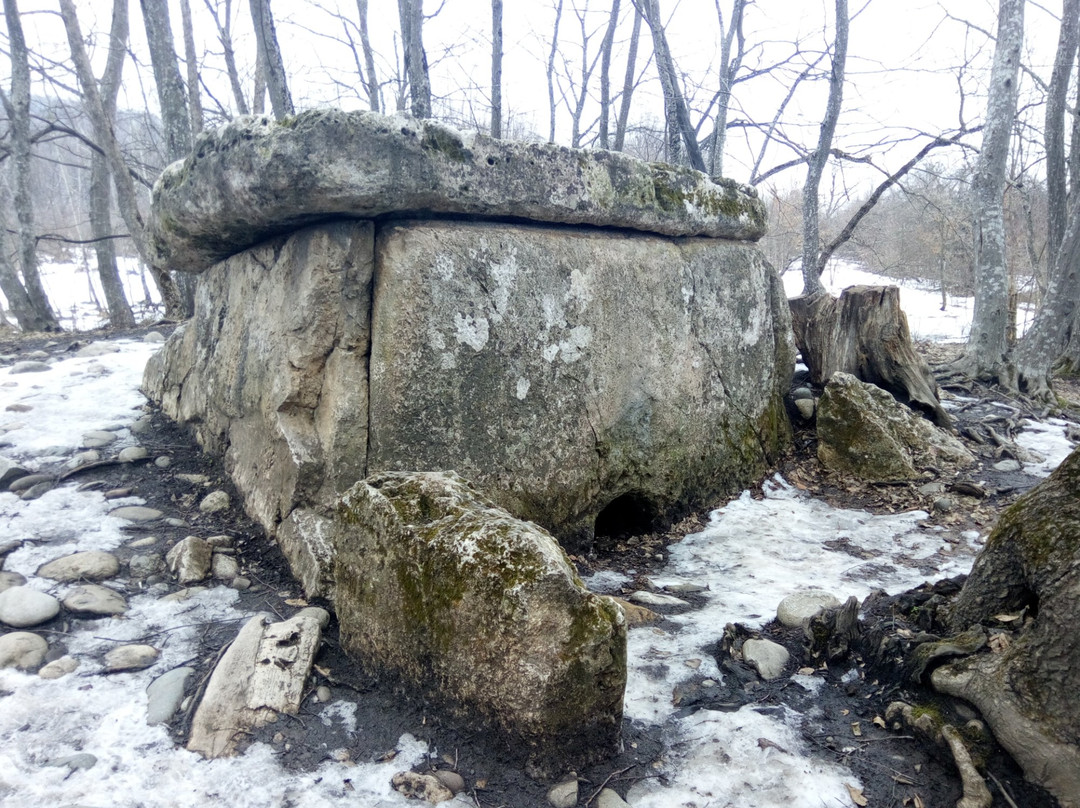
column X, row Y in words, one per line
column 864, row 332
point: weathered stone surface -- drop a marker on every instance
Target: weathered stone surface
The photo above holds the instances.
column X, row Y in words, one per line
column 424, row 787
column 10, row 471
column 190, row 560
column 262, row 674
column 22, row 607
column 22, row 649
column 91, row 565
column 130, row 658
column 798, row 607
column 255, row 178
column 437, row 585
column 768, row 658
column 864, row 431
column 95, row 600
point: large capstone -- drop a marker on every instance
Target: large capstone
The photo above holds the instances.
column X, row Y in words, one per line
column 255, row 178
column 480, row 612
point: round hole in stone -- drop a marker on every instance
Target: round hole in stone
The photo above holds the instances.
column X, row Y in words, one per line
column 631, row 514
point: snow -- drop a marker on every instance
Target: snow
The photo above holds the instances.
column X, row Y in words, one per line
column 753, row 552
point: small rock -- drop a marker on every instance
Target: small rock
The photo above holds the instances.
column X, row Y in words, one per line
column 132, row 453
column 10, row 471
column 806, row 407
column 77, row 762
column 636, row 615
column 10, row 579
column 224, row 567
column 172, row 521
column 943, row 505
column 802, row 394
column 190, row 560
column 97, row 439
column 142, row 425
column 217, row 542
column 97, row 349
column 92, row 565
column 656, row 599
column 421, row 787
column 165, row 694
column 143, row 565
column 609, row 798
column 214, row 502
column 564, row 794
column 118, row 493
column 154, row 337
column 8, row 547
column 180, row 595
column 95, row 600
column 37, row 490
column 146, row 541
column 22, row 607
column 29, row 367
column 83, row 459
column 323, row 694
column 130, row 658
column 136, row 513
column 39, row 354
column 766, row 657
column 452, row 780
column 23, row 650
column 240, row 584
column 1008, row 465
column 798, row 607
column 28, row 481
column 59, row 668
column 163, row 462
column 194, row 479
column 17, row 407
column 931, row 489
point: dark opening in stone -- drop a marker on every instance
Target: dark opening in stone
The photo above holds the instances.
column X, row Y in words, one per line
column 628, row 515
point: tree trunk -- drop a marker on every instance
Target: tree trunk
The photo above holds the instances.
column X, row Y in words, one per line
column 371, row 80
column 729, row 69
column 411, row 14
column 816, row 167
column 194, row 97
column 987, row 347
column 864, row 332
column 605, row 75
column 629, row 82
column 170, row 86
column 274, row 68
column 551, row 72
column 1057, row 192
column 41, row 315
column 120, row 315
column 224, row 31
column 496, row 67
column 106, row 138
column 22, row 309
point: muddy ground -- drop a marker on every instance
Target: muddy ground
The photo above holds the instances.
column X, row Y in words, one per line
column 845, row 720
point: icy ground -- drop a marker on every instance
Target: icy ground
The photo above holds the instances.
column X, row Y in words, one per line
column 752, row 554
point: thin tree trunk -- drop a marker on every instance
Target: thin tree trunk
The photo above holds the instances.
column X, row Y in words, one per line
column 729, row 69
column 274, row 73
column 258, row 92
column 496, row 67
column 988, row 344
column 1057, row 191
column 811, row 228
column 628, row 82
column 42, row 318
column 411, row 14
column 195, row 109
column 106, row 138
column 224, row 30
column 371, row 80
column 605, row 75
column 22, row 309
column 551, row 72
column 170, row 86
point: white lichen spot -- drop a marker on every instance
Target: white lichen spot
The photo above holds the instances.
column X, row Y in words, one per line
column 447, row 360
column 575, row 343
column 444, row 266
column 471, row 331
column 580, row 288
column 687, row 296
column 550, row 352
column 751, row 335
column 522, row 388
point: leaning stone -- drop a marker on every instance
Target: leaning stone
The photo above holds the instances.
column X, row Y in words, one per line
column 10, row 579
column 863, row 430
column 59, row 668
column 23, row 650
column 369, row 165
column 130, row 658
column 214, row 502
column 23, row 607
column 261, row 674
column 10, row 471
column 421, row 787
column 95, row 600
column 798, row 607
column 768, row 658
column 439, row 587
column 190, row 560
column 130, row 454
column 564, row 794
column 136, row 513
column 91, row 565
column 164, row 695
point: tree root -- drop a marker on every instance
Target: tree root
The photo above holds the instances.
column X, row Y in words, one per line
column 976, row 794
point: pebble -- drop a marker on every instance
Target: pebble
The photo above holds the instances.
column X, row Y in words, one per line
column 39, row 354
column 768, row 658
column 132, row 453
column 91, row 565
column 136, row 513
column 163, row 462
column 23, row 607
column 224, row 567
column 943, row 505
column 174, row 522
column 190, row 560
column 798, row 607
column 29, row 367
column 130, row 658
column 165, row 694
column 95, row 600
column 147, row 541
column 83, row 459
column 118, row 493
column 9, row 547
column 17, row 407
column 656, row 599
column 218, row 542
column 97, row 439
column 59, row 668
column 452, row 780
column 28, row 481
column 23, row 650
column 931, row 489
column 10, row 579
column 240, row 584
column 564, row 794
column 806, row 407
column 214, row 502
column 323, row 694
column 1008, row 465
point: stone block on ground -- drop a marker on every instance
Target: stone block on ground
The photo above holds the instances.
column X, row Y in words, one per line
column 443, row 590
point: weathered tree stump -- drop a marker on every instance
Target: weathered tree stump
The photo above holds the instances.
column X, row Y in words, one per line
column 864, row 332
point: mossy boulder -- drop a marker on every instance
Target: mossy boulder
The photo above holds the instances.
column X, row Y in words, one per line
column 255, row 178
column 862, row 430
column 481, row 613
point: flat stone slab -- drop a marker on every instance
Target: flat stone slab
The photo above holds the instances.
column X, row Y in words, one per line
column 92, row 565
column 95, row 600
column 242, row 184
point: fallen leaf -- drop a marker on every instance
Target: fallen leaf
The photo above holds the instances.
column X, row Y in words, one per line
column 1007, row 618
column 999, row 643
column 324, row 672
column 857, row 796
column 296, row 602
column 879, row 721
column 918, row 802
column 844, row 712
column 806, row 671
column 856, row 729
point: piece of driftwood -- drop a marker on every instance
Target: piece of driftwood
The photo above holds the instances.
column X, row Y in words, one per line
column 831, row 633
column 262, row 674
column 864, row 332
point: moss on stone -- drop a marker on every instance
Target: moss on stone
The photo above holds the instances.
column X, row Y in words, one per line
column 446, row 142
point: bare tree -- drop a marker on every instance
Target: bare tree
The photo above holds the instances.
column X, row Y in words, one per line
column 816, row 167
column 605, row 75
column 371, row 79
column 551, row 71
column 411, row 14
column 731, row 37
column 270, row 54
column 106, row 138
column 1054, row 132
column 496, row 67
column 988, row 344
column 629, row 83
column 191, row 64
column 39, row 316
column 170, row 86
column 223, row 23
